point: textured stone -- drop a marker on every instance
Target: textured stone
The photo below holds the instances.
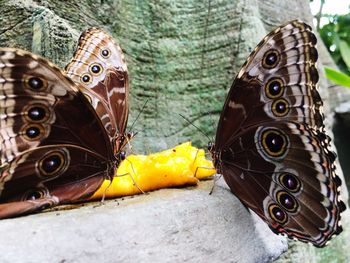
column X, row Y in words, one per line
column 173, row 225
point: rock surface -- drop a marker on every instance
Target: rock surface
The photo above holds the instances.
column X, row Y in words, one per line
column 172, row 225
column 182, row 57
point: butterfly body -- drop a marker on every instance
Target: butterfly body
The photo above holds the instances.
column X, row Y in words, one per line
column 271, row 145
column 60, row 139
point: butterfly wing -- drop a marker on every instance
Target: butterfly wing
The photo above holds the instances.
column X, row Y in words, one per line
column 54, row 149
column 270, row 143
column 99, row 65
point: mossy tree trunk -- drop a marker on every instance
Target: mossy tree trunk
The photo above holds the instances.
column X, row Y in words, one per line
column 182, row 55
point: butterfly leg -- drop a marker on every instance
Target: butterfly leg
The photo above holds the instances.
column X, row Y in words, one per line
column 129, row 144
column 207, row 168
column 194, row 160
column 202, row 167
column 105, row 191
column 216, row 178
column 199, row 167
column 132, row 178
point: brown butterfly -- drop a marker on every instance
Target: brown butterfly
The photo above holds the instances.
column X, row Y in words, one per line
column 271, row 145
column 56, row 147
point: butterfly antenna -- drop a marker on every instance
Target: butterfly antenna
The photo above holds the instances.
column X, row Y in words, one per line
column 138, row 116
column 189, row 122
column 212, row 123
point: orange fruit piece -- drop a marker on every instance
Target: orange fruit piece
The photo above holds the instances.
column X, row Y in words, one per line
column 179, row 166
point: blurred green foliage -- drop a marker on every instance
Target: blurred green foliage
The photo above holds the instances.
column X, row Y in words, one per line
column 336, row 36
column 337, row 77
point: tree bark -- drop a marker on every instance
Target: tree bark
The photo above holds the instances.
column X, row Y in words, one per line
column 182, row 55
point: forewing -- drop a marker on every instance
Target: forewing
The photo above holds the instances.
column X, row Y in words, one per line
column 50, row 135
column 260, row 88
column 99, row 65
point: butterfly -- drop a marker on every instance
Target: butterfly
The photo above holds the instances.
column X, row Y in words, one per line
column 271, row 146
column 61, row 134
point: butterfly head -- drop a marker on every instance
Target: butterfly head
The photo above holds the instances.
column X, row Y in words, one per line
column 121, row 156
column 120, row 142
column 210, row 146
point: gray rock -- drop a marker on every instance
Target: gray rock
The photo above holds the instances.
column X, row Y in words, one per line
column 172, row 225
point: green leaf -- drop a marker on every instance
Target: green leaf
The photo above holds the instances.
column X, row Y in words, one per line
column 345, row 52
column 337, row 77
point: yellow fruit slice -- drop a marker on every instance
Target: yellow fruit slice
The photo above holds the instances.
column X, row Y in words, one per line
column 179, row 166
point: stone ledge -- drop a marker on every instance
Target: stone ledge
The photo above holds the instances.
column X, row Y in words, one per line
column 171, row 225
